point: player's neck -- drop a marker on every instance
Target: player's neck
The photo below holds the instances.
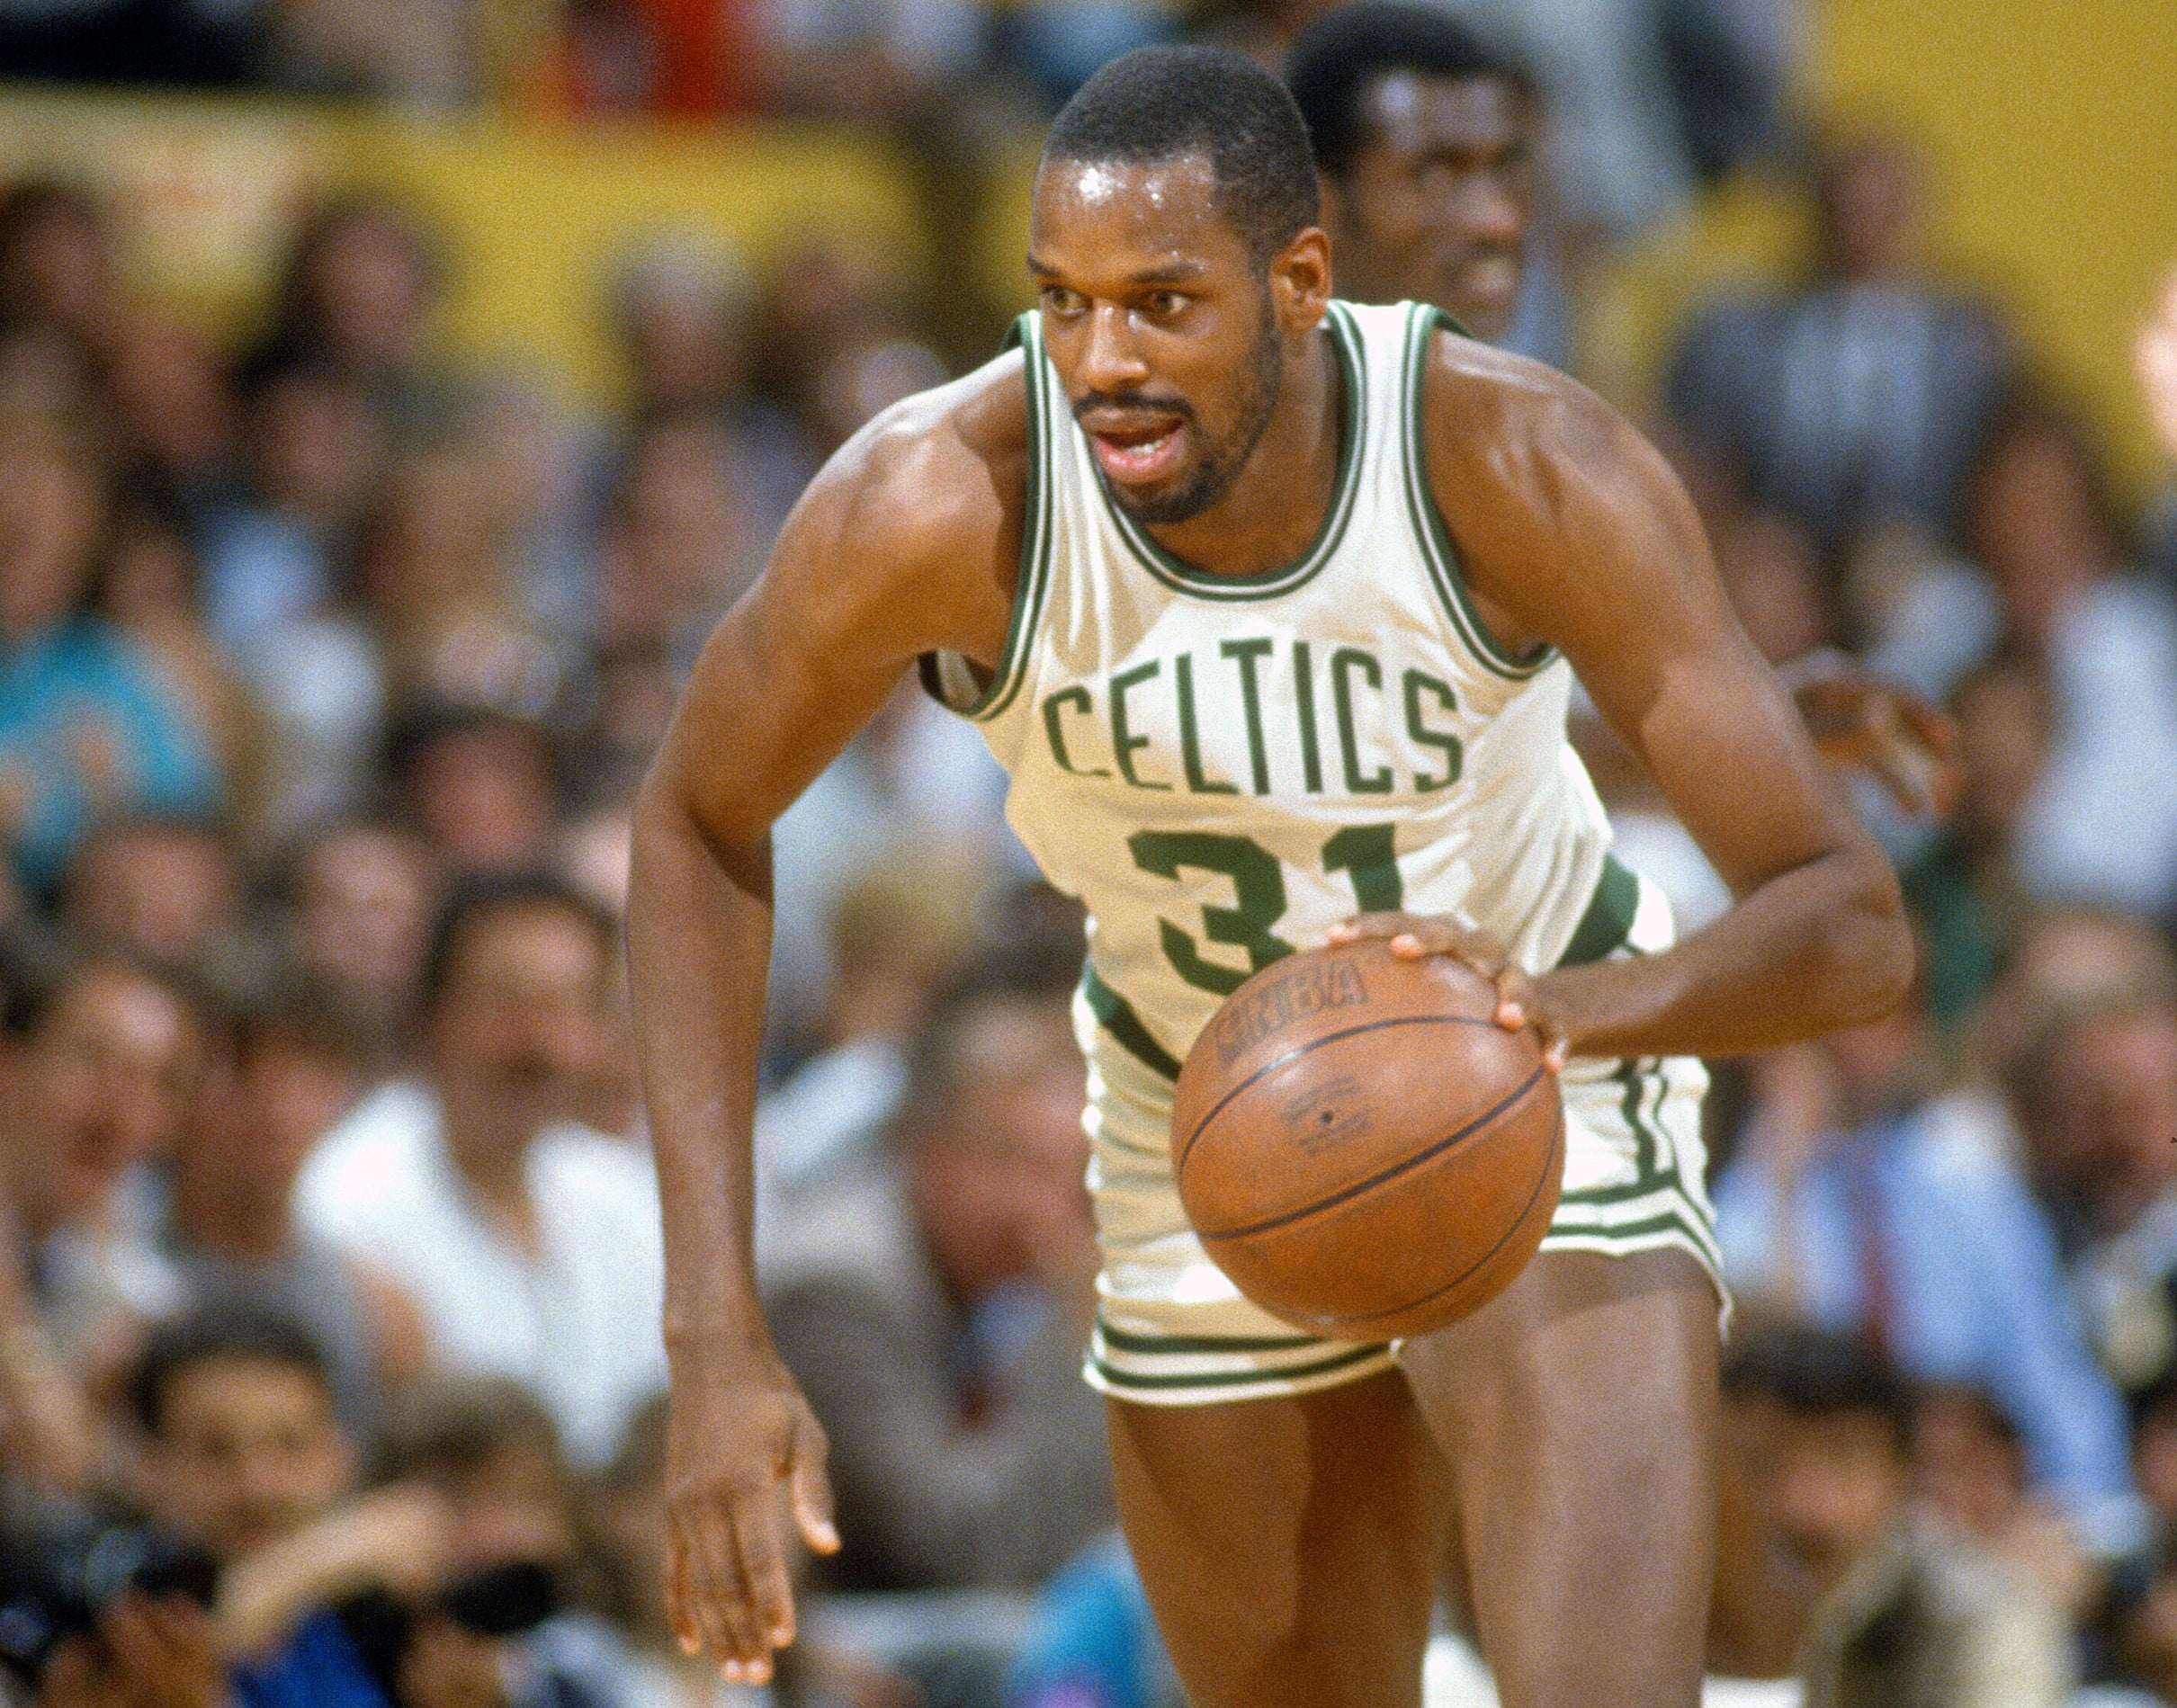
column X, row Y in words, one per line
column 1275, row 507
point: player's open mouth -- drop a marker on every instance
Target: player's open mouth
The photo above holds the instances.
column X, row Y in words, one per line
column 1131, row 456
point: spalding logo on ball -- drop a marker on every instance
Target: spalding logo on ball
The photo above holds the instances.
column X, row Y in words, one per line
column 1362, row 1148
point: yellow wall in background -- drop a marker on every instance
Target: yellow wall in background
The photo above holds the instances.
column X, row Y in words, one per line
column 2052, row 127
column 533, row 217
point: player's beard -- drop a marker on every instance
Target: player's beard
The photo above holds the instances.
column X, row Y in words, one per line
column 1221, row 461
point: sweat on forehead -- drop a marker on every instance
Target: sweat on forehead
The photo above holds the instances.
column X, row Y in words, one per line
column 1164, row 105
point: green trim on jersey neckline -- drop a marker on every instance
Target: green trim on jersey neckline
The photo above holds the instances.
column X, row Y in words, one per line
column 1032, row 580
column 1423, row 320
column 1271, row 584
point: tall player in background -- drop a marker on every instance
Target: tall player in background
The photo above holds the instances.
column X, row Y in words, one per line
column 1270, row 605
column 1428, row 142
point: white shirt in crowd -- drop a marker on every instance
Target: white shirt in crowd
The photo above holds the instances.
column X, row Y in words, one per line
column 575, row 1321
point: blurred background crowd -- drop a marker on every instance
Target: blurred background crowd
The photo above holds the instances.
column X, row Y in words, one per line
column 393, row 392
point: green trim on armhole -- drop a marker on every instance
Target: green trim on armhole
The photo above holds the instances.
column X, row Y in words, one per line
column 1428, row 522
column 1117, row 1017
column 1608, row 922
column 1271, row 584
column 1032, row 580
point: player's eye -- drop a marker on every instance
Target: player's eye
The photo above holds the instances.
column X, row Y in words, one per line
column 1059, row 300
column 1164, row 304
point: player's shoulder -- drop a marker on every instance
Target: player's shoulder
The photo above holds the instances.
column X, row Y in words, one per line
column 937, row 473
column 1520, row 429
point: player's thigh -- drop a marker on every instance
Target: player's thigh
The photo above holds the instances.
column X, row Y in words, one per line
column 1578, row 1413
column 1289, row 1546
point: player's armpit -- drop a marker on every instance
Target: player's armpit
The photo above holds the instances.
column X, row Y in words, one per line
column 1575, row 531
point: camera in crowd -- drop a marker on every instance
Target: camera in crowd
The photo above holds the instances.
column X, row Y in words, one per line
column 57, row 1576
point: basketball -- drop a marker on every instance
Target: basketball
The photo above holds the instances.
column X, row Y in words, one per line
column 1361, row 1148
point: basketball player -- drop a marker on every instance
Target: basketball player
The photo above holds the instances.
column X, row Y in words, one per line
column 1270, row 604
column 1425, row 140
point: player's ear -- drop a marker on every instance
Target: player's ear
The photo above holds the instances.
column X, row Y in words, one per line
column 1300, row 280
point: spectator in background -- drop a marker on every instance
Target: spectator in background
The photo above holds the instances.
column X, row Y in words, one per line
column 100, row 1060
column 360, row 287
column 1907, row 1615
column 355, row 906
column 2095, row 1091
column 481, row 786
column 2102, row 823
column 284, row 1065
column 934, row 1304
column 1848, row 1205
column 529, row 1244
column 86, row 728
column 1858, row 397
column 168, row 890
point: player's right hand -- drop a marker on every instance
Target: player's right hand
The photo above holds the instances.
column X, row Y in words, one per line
column 738, row 1436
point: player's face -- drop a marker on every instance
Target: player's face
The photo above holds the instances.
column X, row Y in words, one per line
column 1436, row 206
column 1164, row 330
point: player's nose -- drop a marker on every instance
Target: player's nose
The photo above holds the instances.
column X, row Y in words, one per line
column 1111, row 360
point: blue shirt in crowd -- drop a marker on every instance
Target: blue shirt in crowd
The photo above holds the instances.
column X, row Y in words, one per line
column 87, row 731
column 1924, row 1232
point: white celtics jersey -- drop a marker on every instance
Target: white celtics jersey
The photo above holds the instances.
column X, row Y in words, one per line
column 1222, row 768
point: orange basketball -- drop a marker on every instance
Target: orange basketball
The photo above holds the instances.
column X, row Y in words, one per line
column 1360, row 1146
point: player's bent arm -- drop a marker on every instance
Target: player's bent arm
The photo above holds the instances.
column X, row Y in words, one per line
column 905, row 542
column 1573, row 530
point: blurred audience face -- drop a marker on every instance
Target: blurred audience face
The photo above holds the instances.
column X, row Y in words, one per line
column 996, row 1172
column 1769, row 571
column 56, row 260
column 514, row 1029
column 247, row 1452
column 365, row 290
column 1870, row 200
column 434, row 547
column 684, row 322
column 680, row 551
column 1836, row 1482
column 1969, row 1465
column 363, row 900
column 50, row 518
column 174, row 407
column 315, row 446
column 484, row 792
column 2036, row 523
column 2155, row 1458
column 1436, row 205
column 1880, row 1066
column 279, row 1088
column 168, row 892
column 150, row 578
column 94, row 1089
column 2106, row 1112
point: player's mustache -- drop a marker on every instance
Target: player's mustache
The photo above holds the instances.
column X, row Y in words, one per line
column 1132, row 403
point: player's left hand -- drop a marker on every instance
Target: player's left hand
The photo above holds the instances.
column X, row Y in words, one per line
column 1413, row 935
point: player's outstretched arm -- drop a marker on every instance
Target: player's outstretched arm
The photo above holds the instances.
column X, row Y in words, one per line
column 1572, row 529
column 905, row 542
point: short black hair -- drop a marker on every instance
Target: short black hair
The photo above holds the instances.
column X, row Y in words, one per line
column 41, row 966
column 1817, row 1373
column 1337, row 58
column 243, row 1329
column 1162, row 104
column 473, row 898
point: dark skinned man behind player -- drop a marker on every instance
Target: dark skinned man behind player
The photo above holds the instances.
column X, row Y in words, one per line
column 1188, row 559
column 1427, row 142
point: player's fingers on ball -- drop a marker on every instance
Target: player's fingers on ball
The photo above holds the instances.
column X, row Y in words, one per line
column 809, row 1486
column 1366, row 925
column 1515, row 996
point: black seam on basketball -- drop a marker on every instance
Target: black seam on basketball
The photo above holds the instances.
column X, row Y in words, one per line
column 1298, row 1050
column 1549, row 1166
column 1345, row 1194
